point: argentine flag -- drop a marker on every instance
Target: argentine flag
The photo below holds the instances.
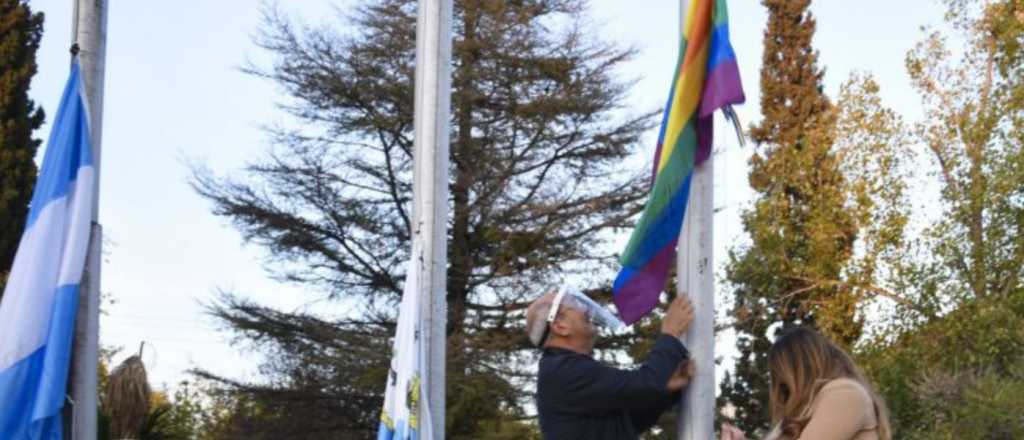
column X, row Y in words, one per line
column 405, row 392
column 37, row 314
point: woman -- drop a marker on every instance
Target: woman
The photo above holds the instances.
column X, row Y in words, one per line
column 817, row 393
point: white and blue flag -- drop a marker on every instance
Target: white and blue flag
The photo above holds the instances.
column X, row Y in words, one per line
column 37, row 314
column 405, row 392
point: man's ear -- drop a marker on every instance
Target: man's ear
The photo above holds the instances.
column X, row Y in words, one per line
column 560, row 328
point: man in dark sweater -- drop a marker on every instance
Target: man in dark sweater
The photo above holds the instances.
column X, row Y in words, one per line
column 581, row 398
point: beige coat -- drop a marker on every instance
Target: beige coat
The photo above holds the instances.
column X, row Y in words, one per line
column 842, row 410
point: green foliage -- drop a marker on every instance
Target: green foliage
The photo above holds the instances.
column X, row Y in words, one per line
column 831, row 208
column 928, row 375
column 159, row 426
column 954, row 288
column 983, row 406
column 20, row 32
column 955, row 373
column 972, row 129
column 508, row 428
column 772, row 277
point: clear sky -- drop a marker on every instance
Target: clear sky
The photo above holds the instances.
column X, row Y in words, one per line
column 174, row 94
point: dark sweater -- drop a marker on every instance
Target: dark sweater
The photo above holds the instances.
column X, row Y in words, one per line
column 580, row 398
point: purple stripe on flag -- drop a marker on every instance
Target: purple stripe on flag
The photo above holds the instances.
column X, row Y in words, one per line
column 721, row 87
column 638, row 293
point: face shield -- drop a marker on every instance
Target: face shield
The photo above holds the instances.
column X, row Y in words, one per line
column 598, row 315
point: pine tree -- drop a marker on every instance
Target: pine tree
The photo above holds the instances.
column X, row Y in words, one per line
column 801, row 230
column 20, row 32
column 537, row 186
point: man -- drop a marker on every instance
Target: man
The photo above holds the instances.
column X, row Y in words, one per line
column 581, row 398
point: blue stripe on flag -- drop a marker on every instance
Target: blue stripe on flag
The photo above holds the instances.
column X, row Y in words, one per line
column 383, row 433
column 40, row 380
column 61, row 164
column 721, row 50
column 401, row 432
column 664, row 228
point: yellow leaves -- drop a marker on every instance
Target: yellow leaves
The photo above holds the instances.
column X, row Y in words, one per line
column 413, row 400
column 158, row 399
column 971, row 117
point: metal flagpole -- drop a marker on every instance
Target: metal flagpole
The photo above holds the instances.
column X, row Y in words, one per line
column 430, row 192
column 695, row 276
column 89, row 29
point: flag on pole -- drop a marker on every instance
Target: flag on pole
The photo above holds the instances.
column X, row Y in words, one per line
column 37, row 315
column 706, row 79
column 405, row 393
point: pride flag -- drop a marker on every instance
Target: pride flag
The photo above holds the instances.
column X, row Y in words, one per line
column 706, row 79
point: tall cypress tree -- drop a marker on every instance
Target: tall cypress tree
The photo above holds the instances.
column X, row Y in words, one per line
column 20, row 32
column 801, row 231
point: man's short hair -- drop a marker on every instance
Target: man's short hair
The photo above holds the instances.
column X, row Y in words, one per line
column 537, row 318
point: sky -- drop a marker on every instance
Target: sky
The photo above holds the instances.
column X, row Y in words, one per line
column 175, row 95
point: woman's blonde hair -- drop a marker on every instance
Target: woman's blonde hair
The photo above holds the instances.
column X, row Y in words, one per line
column 801, row 362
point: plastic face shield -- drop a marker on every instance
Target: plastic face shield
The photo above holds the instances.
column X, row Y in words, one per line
column 571, row 297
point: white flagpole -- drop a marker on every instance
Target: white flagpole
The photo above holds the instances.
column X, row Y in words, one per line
column 430, row 192
column 90, row 34
column 695, row 276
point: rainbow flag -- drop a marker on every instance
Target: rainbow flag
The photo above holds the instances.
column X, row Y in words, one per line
column 706, row 79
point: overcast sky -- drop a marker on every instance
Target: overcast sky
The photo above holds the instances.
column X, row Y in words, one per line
column 174, row 94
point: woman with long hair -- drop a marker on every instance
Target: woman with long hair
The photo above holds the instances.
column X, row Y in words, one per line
column 818, row 393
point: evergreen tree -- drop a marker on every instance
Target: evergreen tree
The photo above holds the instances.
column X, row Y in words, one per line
column 20, row 32
column 801, row 230
column 537, row 186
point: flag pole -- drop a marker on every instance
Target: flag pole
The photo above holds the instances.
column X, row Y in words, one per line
column 430, row 193
column 89, row 35
column 695, row 277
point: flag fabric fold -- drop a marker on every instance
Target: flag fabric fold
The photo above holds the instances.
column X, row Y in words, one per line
column 405, row 392
column 37, row 313
column 706, row 79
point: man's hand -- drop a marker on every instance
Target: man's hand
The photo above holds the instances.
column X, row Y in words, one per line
column 678, row 317
column 682, row 376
